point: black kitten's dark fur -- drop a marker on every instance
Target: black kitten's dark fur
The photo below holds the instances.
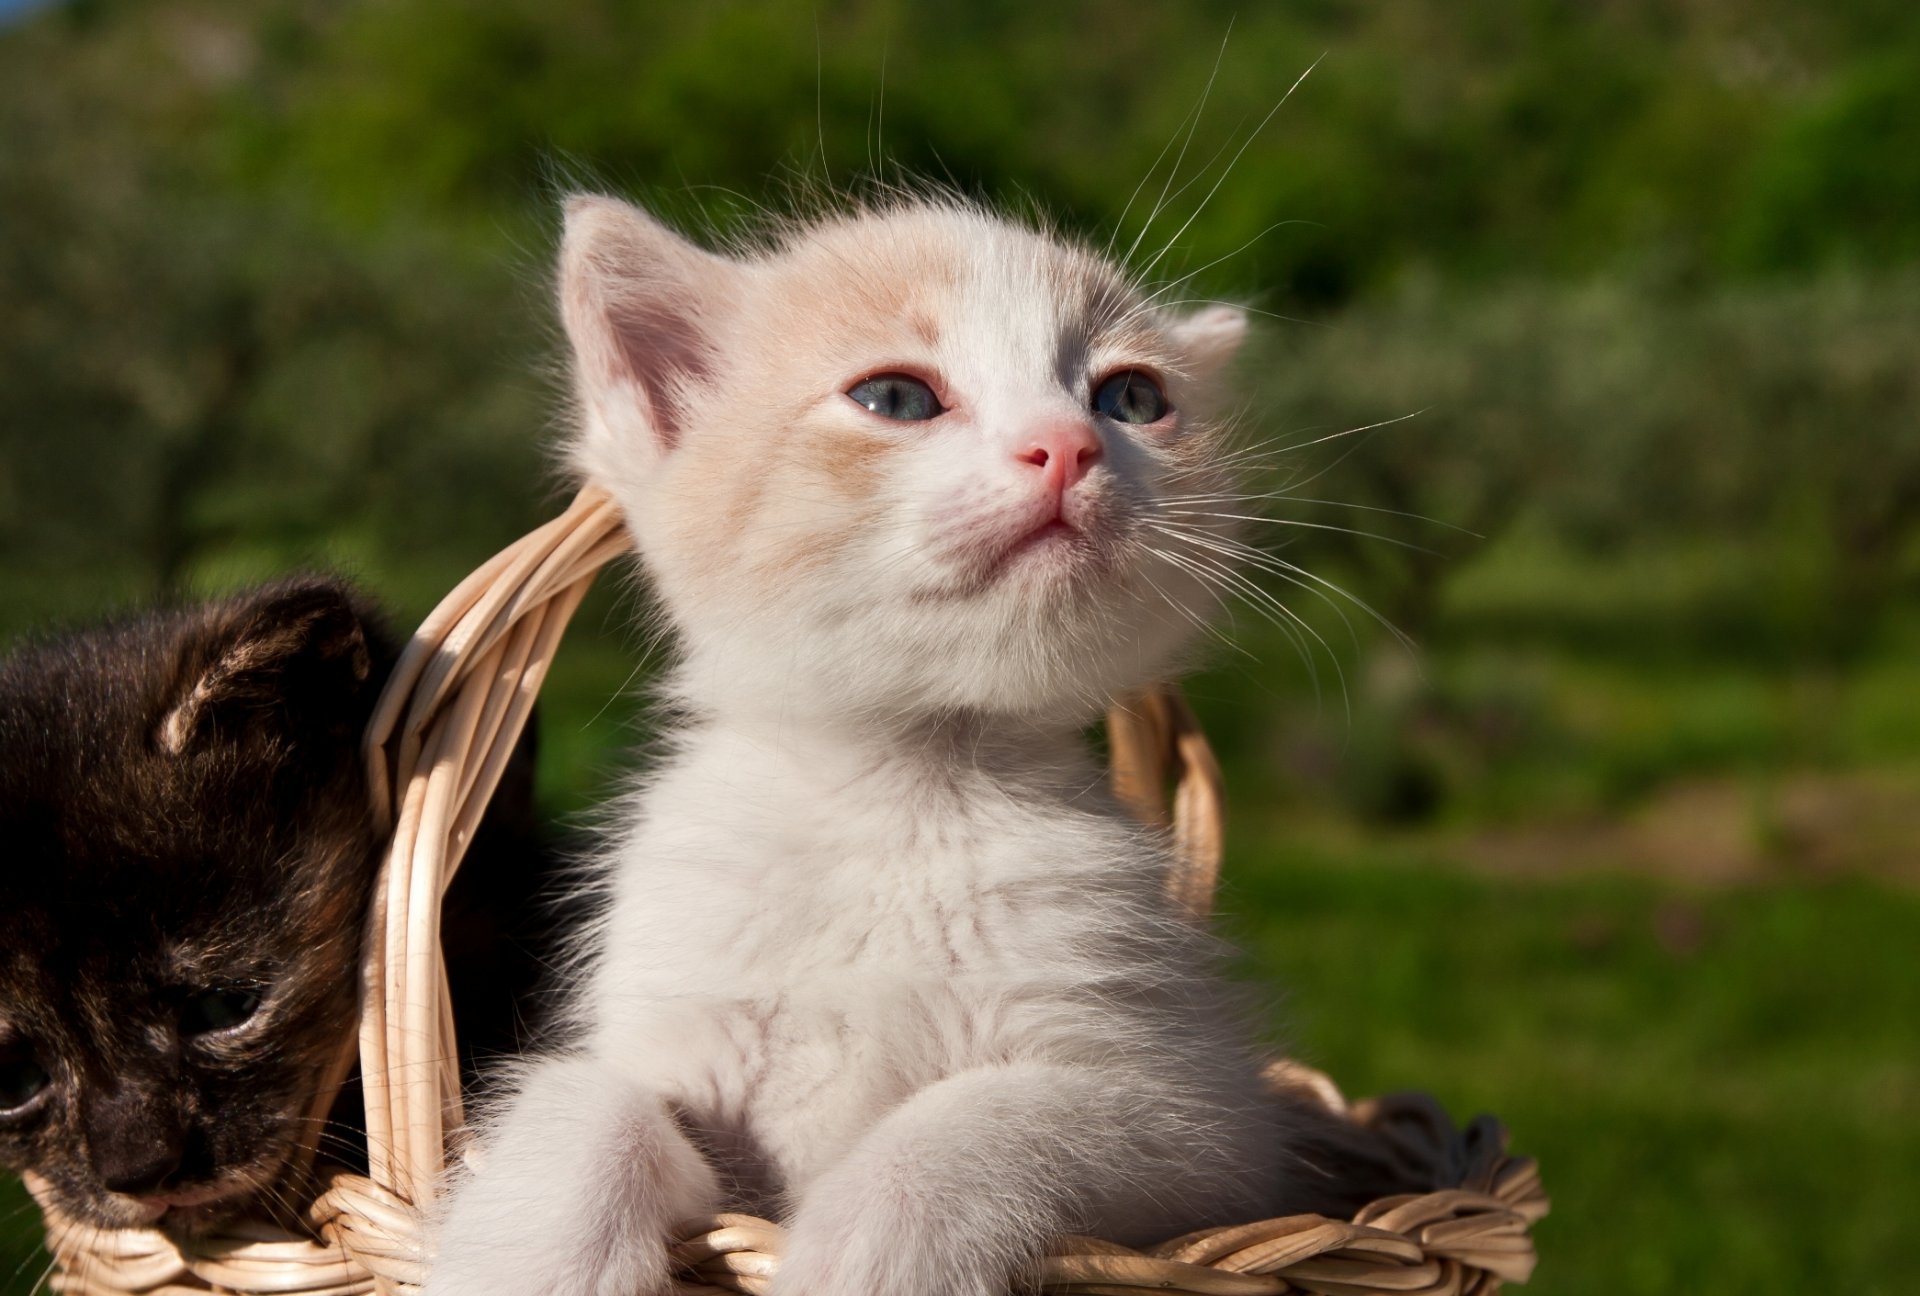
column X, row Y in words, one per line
column 186, row 858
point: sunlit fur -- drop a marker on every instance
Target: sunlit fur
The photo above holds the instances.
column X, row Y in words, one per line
column 882, row 957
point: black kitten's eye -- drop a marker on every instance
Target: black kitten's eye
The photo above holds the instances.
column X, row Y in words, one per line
column 21, row 1080
column 217, row 1010
column 1131, row 397
column 898, row 396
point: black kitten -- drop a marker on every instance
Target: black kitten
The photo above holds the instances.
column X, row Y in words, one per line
column 186, row 859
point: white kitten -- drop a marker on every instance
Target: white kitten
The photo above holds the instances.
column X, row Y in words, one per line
column 882, row 956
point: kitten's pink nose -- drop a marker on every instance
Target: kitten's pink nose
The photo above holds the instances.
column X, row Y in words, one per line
column 1063, row 452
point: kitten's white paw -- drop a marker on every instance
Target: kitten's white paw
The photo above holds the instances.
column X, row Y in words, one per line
column 580, row 1183
column 890, row 1237
column 954, row 1192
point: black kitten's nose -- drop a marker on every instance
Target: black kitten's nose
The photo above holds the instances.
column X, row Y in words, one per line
column 135, row 1145
column 141, row 1174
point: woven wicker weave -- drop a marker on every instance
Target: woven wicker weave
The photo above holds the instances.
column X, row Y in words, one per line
column 437, row 746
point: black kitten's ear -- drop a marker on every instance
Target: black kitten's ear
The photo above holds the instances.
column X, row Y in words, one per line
column 299, row 651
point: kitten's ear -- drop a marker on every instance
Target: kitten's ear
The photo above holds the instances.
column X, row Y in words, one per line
column 289, row 658
column 1209, row 338
column 640, row 304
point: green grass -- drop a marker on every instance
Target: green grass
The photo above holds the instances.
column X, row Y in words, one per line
column 1723, row 1087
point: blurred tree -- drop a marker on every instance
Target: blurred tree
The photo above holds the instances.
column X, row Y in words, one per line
column 1828, row 184
column 272, row 272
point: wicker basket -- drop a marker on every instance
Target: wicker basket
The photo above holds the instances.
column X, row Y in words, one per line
column 437, row 746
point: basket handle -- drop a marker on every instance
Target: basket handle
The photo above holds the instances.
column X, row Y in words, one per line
column 1156, row 743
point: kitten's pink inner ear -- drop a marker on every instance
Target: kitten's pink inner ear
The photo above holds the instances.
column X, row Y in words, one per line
column 1211, row 337
column 637, row 301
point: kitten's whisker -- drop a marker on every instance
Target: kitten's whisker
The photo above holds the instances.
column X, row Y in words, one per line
column 1237, row 551
column 88, row 1257
column 1218, row 576
column 1298, row 522
column 1230, row 582
column 1253, row 452
column 1204, row 626
column 1251, row 310
column 1120, row 222
column 1296, row 574
column 1148, row 268
column 1230, row 459
column 1154, row 300
column 819, row 110
column 870, row 181
column 1291, row 498
column 1346, row 432
column 1291, row 482
column 46, row 1273
column 333, row 1134
column 1186, row 185
column 880, row 125
column 1290, row 479
column 1192, row 122
column 1274, row 567
column 1344, row 455
column 28, row 1258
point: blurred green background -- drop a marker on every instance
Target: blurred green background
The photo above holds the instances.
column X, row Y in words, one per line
column 1627, row 851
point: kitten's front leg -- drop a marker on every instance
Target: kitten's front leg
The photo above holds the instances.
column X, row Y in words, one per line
column 579, row 1182
column 962, row 1185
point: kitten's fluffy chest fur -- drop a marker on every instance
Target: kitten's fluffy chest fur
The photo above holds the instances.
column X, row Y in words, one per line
column 839, row 923
column 810, row 855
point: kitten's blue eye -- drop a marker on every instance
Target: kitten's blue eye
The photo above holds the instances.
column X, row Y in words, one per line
column 21, row 1081
column 898, row 396
column 1131, row 397
column 217, row 1010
